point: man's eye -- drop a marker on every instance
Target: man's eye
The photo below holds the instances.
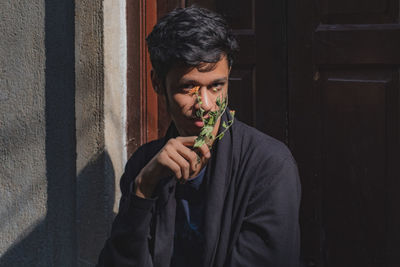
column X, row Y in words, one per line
column 187, row 87
column 217, row 87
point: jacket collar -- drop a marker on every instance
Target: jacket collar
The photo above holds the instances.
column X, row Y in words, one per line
column 217, row 180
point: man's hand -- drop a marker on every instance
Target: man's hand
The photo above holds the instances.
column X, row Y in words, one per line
column 175, row 158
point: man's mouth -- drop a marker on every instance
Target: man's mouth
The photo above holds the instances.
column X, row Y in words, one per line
column 199, row 123
column 194, row 117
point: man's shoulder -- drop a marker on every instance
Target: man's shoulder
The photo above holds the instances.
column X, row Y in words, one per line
column 264, row 158
column 260, row 144
column 138, row 160
column 146, row 151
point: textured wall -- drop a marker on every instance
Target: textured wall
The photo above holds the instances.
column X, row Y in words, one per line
column 23, row 184
column 37, row 133
column 57, row 181
column 95, row 180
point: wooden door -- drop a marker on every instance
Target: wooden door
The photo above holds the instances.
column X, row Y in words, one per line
column 142, row 101
column 344, row 109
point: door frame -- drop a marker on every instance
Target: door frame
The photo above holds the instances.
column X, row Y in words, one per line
column 142, row 104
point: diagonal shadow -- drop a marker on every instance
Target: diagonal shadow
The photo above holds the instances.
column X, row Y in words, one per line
column 95, row 195
column 79, row 206
column 52, row 241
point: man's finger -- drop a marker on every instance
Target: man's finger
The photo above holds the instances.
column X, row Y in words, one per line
column 205, row 151
column 183, row 164
column 189, row 155
column 174, row 168
column 187, row 140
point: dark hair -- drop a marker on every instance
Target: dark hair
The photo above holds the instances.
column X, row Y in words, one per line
column 190, row 36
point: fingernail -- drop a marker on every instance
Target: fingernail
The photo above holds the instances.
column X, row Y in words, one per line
column 208, row 154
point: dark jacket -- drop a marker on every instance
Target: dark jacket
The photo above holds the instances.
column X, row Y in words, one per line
column 251, row 209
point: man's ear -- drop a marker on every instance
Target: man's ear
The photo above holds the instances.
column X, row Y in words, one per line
column 156, row 82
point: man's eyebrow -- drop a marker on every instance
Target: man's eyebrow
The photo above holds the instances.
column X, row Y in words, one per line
column 220, row 80
column 191, row 81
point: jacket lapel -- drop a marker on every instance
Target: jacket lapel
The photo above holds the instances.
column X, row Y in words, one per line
column 165, row 215
column 165, row 224
column 218, row 179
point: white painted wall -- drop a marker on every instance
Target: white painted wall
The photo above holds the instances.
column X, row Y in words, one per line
column 115, row 68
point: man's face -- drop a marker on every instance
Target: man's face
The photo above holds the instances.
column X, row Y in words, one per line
column 182, row 105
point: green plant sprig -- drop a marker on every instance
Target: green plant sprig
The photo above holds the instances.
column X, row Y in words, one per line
column 206, row 136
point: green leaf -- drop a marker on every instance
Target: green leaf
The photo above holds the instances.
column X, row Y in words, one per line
column 218, row 101
column 211, row 121
column 199, row 142
column 210, row 136
column 206, row 130
column 199, row 113
column 206, row 136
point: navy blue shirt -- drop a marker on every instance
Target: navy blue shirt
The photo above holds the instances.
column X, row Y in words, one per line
column 189, row 238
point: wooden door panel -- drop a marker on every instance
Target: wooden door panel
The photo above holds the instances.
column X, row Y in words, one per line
column 358, row 11
column 240, row 14
column 142, row 114
column 353, row 7
column 344, row 124
column 242, row 92
column 246, row 40
column 357, row 44
column 392, row 244
column 210, row 4
column 164, row 120
column 242, row 89
column 354, row 181
column 164, row 6
column 242, row 85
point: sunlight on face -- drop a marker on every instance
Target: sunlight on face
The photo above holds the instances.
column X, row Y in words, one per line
column 182, row 103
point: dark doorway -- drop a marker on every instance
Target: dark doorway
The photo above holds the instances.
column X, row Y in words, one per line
column 323, row 77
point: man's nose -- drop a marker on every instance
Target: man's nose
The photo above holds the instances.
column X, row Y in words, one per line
column 206, row 99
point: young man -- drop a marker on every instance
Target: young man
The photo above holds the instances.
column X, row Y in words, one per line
column 228, row 202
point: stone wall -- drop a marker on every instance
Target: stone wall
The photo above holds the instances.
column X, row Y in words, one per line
column 37, row 134
column 62, row 136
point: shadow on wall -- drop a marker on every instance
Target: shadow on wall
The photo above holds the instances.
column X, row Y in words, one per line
column 52, row 242
column 79, row 207
column 96, row 195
